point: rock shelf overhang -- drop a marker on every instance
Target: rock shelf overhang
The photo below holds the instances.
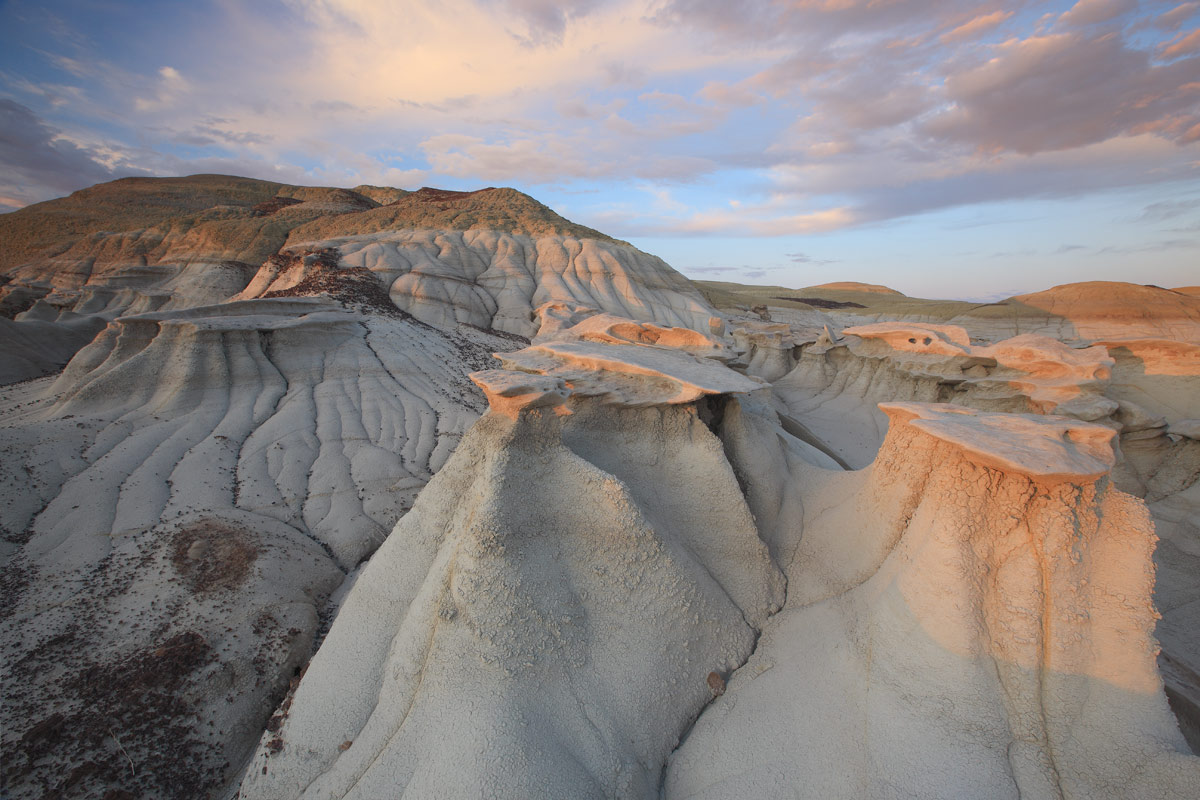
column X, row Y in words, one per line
column 632, row 375
column 1046, row 448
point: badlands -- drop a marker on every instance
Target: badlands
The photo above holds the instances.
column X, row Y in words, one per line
column 328, row 493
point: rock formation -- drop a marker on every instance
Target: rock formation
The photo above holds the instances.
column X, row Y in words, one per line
column 823, row 542
column 203, row 479
column 982, row 599
column 554, row 601
column 1146, row 389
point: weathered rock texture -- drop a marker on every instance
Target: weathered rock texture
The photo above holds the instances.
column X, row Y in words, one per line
column 263, row 377
column 545, row 621
column 255, row 412
column 179, row 504
column 981, row 596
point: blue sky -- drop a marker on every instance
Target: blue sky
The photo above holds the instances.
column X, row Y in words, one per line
column 946, row 149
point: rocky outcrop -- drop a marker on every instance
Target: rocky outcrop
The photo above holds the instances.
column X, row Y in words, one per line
column 497, row 279
column 982, row 596
column 252, row 396
column 835, row 383
column 547, row 619
column 277, row 371
column 179, row 505
column 1142, row 388
column 35, row 348
column 488, row 258
column 1110, row 310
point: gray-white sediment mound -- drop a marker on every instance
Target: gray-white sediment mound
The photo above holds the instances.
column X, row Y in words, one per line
column 264, row 377
column 970, row 616
column 180, row 503
column 544, row 622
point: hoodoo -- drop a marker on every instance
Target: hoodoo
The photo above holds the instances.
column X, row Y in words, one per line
column 981, row 594
column 545, row 619
column 360, row 493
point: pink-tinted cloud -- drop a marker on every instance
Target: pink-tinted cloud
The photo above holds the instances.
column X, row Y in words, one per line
column 1091, row 12
column 746, row 221
column 1173, row 20
column 817, row 114
column 722, row 94
column 1059, row 91
column 1183, row 45
column 976, row 27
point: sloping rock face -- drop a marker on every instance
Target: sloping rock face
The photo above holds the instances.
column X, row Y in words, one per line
column 1073, row 313
column 545, row 621
column 970, row 615
column 1145, row 389
column 264, row 377
column 496, row 279
column 243, row 420
column 982, row 599
column 835, row 382
column 179, row 505
column 1105, row 309
column 488, row 258
column 35, row 348
column 1089, row 312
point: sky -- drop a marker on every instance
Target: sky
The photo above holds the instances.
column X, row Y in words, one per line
column 944, row 148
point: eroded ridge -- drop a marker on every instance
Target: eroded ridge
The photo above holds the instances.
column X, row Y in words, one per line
column 982, row 596
column 179, row 505
column 547, row 620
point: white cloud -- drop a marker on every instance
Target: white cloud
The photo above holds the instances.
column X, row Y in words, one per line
column 809, row 116
column 170, row 89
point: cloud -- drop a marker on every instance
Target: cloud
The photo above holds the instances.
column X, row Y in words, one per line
column 814, row 115
column 170, row 88
column 974, row 28
column 55, row 95
column 1173, row 20
column 547, row 19
column 426, row 53
column 804, row 258
column 745, row 271
column 1165, row 210
column 214, row 131
column 39, row 163
column 1091, row 12
column 756, row 222
column 722, row 94
column 1183, row 45
column 1152, row 247
column 1062, row 91
column 536, row 160
column 886, row 185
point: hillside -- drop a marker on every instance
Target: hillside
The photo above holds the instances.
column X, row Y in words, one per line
column 339, row 493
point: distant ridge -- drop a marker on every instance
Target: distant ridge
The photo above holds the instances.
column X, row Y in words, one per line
column 251, row 219
column 855, row 286
column 498, row 209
